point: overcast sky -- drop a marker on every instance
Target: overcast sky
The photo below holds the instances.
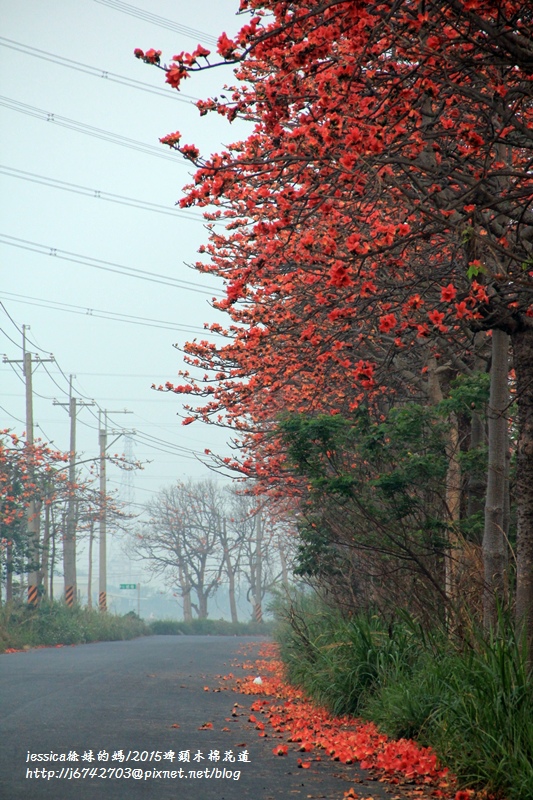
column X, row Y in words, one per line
column 114, row 362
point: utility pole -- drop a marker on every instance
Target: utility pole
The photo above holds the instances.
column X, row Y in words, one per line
column 102, row 585
column 69, row 540
column 35, row 588
column 102, row 443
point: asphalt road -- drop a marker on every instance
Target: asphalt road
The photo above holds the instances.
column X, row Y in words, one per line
column 127, row 696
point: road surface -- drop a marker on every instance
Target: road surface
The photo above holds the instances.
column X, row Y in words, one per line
column 126, row 717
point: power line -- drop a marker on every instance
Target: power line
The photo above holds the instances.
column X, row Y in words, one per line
column 7, row 334
column 137, row 488
column 9, row 414
column 99, row 313
column 97, row 193
column 89, row 130
column 95, row 72
column 19, row 376
column 34, row 344
column 155, row 19
column 107, row 266
column 48, row 439
column 186, row 455
column 148, row 439
column 64, row 391
column 118, row 374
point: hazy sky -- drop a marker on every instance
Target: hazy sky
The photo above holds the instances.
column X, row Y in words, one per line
column 114, row 362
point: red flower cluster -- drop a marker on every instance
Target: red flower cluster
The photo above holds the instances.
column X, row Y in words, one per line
column 150, row 57
column 343, row 739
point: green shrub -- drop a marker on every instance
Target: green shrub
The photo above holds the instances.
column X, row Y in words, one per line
column 55, row 623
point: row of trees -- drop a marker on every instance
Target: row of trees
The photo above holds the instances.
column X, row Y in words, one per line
column 41, row 513
column 378, row 259
column 201, row 538
column 197, row 537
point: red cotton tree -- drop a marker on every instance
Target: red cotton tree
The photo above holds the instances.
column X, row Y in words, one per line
column 31, row 476
column 381, row 206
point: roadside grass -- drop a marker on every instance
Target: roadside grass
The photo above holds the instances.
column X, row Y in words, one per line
column 210, row 627
column 52, row 623
column 473, row 706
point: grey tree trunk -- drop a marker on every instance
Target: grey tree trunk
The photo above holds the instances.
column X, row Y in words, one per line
column 187, row 606
column 46, row 548
column 522, row 341
column 454, row 552
column 477, row 480
column 258, row 583
column 493, row 535
column 9, row 572
column 202, row 604
column 453, row 504
column 476, row 483
column 230, row 571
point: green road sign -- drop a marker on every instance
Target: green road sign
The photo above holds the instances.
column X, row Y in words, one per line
column 128, row 585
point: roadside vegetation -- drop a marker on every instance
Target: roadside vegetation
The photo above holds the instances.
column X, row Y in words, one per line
column 469, row 699
column 210, row 627
column 53, row 623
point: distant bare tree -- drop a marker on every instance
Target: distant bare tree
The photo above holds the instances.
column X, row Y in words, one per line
column 182, row 541
column 263, row 549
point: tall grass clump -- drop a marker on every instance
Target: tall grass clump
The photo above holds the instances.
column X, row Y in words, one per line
column 472, row 701
column 51, row 623
column 474, row 707
column 339, row 661
column 486, row 728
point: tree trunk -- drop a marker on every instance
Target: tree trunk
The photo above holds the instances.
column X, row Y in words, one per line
column 187, row 606
column 477, row 479
column 231, row 575
column 52, row 560
column 522, row 341
column 46, row 549
column 476, row 482
column 453, row 504
column 257, row 592
column 202, row 604
column 9, row 572
column 493, row 535
column 454, row 552
column 283, row 562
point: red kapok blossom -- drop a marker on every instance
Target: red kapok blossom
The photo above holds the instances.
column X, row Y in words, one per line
column 175, row 75
column 201, row 51
column 225, row 47
column 387, row 323
column 448, row 293
column 436, row 317
column 171, row 139
column 152, row 56
column 339, row 276
column 190, row 151
column 461, row 309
